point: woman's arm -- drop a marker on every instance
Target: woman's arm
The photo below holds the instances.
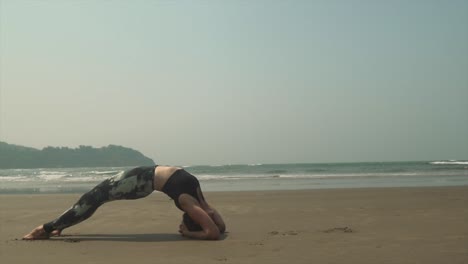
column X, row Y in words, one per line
column 215, row 216
column 195, row 234
column 210, row 229
column 218, row 220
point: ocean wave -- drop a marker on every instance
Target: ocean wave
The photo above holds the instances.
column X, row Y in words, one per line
column 235, row 177
column 277, row 171
column 318, row 176
column 212, row 177
column 113, row 172
column 449, row 162
column 83, row 179
column 47, row 172
column 14, row 178
column 350, row 175
column 52, row 177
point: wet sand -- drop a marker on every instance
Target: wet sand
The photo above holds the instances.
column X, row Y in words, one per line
column 375, row 225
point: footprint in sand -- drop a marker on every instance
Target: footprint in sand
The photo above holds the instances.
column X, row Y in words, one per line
column 273, row 233
column 287, row 233
column 71, row 240
column 339, row 230
column 290, row 233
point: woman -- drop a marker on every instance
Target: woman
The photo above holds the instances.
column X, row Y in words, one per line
column 200, row 220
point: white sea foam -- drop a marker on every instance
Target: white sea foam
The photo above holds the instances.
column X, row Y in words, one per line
column 52, row 175
column 215, row 177
column 105, row 172
column 450, row 162
column 315, row 176
column 14, row 179
column 350, row 175
column 83, row 179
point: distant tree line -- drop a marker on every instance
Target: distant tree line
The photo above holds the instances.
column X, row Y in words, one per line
column 14, row 156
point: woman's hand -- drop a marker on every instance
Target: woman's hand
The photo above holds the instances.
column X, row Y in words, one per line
column 183, row 229
column 211, row 213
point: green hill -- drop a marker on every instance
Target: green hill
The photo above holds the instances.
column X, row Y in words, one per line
column 14, row 156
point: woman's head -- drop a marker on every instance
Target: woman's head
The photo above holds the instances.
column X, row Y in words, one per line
column 190, row 224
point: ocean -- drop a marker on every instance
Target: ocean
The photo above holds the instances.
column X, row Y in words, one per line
column 251, row 177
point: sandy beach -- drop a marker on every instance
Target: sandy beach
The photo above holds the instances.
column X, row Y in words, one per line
column 387, row 225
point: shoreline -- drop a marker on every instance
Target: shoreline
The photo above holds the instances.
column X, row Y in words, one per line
column 258, row 177
column 80, row 191
column 344, row 225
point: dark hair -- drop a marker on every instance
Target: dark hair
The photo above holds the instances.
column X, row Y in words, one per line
column 190, row 224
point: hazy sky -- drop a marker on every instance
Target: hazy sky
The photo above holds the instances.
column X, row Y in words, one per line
column 226, row 82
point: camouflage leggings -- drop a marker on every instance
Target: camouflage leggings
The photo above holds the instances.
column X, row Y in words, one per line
column 132, row 184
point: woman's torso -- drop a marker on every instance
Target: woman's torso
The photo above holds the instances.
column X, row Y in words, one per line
column 161, row 175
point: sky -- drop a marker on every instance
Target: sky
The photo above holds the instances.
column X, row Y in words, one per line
column 238, row 82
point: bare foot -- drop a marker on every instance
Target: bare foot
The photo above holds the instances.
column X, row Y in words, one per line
column 37, row 233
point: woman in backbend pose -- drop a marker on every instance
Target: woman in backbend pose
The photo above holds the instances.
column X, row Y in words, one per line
column 200, row 220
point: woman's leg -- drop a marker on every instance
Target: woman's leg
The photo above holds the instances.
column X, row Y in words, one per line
column 84, row 208
column 133, row 184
